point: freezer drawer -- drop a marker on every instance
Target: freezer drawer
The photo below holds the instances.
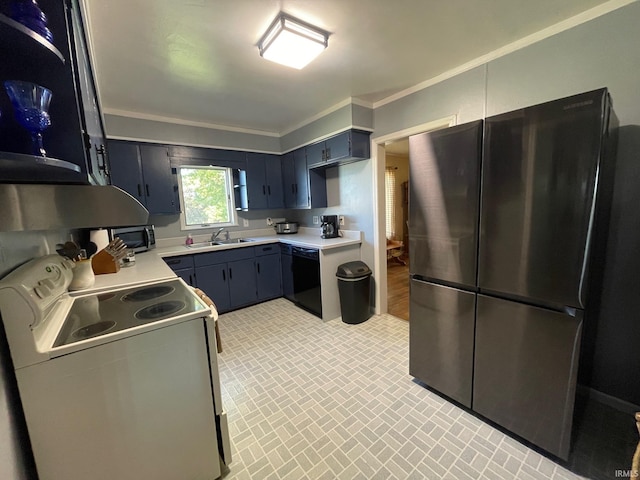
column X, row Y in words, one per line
column 526, row 361
column 441, row 330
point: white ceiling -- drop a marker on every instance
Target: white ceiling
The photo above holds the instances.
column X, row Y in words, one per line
column 197, row 60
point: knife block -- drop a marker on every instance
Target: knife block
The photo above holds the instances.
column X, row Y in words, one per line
column 103, row 262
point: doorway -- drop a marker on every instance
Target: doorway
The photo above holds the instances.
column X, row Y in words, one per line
column 379, row 145
column 397, row 226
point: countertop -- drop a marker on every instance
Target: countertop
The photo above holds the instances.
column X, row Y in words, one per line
column 304, row 238
column 149, row 266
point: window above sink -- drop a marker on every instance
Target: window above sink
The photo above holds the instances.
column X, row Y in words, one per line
column 206, row 197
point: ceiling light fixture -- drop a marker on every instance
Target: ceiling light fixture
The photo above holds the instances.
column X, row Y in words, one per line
column 291, row 42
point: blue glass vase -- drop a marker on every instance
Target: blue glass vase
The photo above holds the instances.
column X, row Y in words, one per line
column 28, row 13
column 31, row 105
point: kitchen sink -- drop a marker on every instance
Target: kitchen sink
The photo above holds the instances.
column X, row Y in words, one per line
column 219, row 242
column 232, row 241
column 200, row 245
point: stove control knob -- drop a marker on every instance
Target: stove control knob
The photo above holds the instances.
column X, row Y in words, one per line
column 42, row 291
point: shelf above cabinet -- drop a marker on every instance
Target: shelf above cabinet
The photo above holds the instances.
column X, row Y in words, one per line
column 19, row 162
column 14, row 33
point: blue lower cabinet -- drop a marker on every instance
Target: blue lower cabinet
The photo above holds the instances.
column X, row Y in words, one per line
column 233, row 278
column 188, row 275
column 214, row 281
column 242, row 283
column 183, row 267
column 269, row 277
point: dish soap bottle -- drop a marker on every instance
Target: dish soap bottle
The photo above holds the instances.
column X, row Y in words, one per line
column 189, row 240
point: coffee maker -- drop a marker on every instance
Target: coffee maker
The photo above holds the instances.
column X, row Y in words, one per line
column 329, row 226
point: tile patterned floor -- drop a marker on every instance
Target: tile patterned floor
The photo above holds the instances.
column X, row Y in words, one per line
column 326, row 400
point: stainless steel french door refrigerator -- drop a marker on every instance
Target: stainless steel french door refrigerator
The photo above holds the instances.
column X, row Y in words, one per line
column 506, row 343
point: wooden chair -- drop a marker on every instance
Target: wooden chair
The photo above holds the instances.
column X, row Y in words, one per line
column 395, row 250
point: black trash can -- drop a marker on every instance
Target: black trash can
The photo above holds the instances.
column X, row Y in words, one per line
column 354, row 279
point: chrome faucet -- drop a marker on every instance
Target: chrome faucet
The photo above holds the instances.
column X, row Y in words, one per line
column 214, row 236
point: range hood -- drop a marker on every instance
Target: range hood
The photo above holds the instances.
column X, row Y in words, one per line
column 53, row 207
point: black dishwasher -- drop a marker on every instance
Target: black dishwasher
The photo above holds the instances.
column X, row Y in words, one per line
column 305, row 265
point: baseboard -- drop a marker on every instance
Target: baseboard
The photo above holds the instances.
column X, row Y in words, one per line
column 613, row 402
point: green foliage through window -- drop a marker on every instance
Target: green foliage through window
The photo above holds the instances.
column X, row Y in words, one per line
column 206, row 197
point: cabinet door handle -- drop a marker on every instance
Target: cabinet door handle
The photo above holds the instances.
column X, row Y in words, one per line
column 293, row 188
column 258, row 266
column 224, row 276
column 139, row 190
column 103, row 153
column 147, row 187
column 269, row 189
column 190, row 280
column 230, row 274
column 263, row 190
column 172, row 262
column 328, row 155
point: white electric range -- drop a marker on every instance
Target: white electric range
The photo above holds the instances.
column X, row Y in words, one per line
column 117, row 384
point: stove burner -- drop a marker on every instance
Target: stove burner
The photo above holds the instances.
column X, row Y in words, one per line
column 148, row 293
column 162, row 309
column 93, row 329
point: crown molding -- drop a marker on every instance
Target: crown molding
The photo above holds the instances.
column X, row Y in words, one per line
column 189, row 123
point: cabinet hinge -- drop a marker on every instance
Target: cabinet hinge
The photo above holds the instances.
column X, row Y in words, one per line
column 87, row 141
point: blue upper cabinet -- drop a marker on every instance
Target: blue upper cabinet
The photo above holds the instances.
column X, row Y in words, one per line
column 264, row 181
column 303, row 188
column 144, row 171
column 160, row 181
column 295, row 179
column 346, row 147
column 126, row 170
column 316, row 156
column 54, row 57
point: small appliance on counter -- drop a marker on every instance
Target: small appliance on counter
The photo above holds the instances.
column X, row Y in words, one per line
column 286, row 227
column 329, row 225
column 138, row 239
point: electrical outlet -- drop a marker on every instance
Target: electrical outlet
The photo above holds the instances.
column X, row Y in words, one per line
column 269, row 221
column 245, row 222
column 316, row 220
column 341, row 220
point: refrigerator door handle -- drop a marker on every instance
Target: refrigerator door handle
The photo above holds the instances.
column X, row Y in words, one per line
column 587, row 246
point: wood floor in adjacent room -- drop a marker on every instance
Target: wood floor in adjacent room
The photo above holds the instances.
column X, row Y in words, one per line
column 398, row 289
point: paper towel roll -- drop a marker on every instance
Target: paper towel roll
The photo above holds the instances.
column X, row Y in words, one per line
column 100, row 238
